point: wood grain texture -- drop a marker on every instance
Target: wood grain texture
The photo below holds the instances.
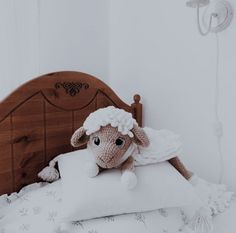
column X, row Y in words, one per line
column 38, row 119
column 6, row 159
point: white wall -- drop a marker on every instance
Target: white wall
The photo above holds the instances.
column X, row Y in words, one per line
column 155, row 50
column 40, row 36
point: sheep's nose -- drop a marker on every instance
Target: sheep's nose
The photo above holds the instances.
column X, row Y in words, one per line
column 106, row 158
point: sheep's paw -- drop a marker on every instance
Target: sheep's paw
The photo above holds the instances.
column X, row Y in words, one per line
column 129, row 179
column 92, row 169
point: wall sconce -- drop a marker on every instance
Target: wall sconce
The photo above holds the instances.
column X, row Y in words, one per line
column 216, row 17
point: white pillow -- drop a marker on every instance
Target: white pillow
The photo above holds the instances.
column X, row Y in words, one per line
column 159, row 186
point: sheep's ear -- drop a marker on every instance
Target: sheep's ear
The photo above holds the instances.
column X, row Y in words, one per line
column 140, row 137
column 79, row 137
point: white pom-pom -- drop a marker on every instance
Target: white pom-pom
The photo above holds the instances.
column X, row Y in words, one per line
column 202, row 221
column 49, row 174
column 92, row 169
column 129, row 180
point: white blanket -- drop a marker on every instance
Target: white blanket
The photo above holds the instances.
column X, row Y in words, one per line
column 36, row 209
column 164, row 145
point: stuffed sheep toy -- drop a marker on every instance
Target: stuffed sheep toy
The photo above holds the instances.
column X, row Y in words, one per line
column 116, row 141
column 112, row 135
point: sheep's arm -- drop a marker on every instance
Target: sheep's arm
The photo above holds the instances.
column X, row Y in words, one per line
column 128, row 165
column 175, row 162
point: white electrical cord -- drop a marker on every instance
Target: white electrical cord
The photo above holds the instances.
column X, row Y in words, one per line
column 218, row 123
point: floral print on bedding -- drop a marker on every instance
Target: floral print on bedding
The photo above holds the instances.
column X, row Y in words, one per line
column 37, row 209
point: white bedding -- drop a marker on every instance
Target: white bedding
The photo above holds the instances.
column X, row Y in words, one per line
column 226, row 222
column 39, row 211
column 38, row 208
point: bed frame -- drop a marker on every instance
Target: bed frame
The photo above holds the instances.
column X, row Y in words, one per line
column 38, row 119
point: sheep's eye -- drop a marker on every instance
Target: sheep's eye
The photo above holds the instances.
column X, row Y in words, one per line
column 120, row 142
column 96, row 141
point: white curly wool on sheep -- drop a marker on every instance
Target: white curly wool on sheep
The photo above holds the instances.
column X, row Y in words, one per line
column 110, row 115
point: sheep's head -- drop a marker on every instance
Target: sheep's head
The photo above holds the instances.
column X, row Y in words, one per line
column 108, row 146
column 109, row 143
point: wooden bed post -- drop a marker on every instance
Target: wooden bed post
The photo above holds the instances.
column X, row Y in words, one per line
column 137, row 110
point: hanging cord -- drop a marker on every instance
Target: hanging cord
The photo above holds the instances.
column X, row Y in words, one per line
column 199, row 24
column 218, row 123
column 39, row 34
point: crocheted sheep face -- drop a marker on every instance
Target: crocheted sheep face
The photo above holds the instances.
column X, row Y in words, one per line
column 108, row 145
column 109, row 133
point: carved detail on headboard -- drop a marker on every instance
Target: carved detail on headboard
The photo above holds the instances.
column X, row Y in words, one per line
column 72, row 88
column 38, row 119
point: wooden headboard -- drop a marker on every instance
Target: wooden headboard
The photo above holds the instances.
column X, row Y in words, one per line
column 38, row 119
